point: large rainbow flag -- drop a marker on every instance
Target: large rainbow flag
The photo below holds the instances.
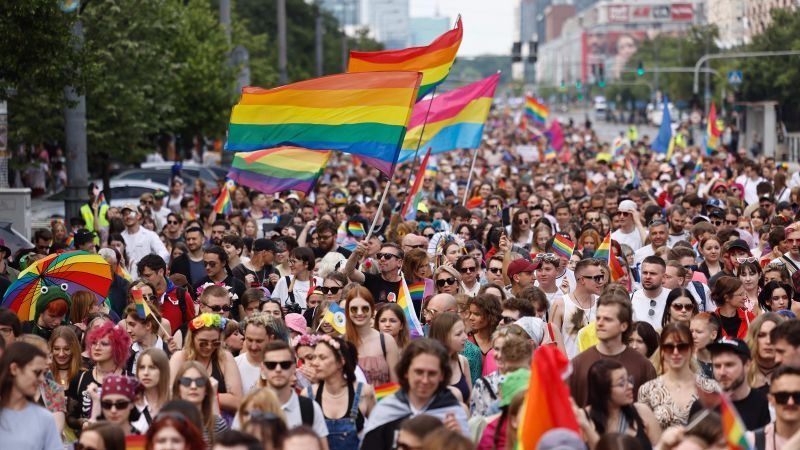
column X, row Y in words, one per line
column 279, row 169
column 365, row 114
column 434, row 60
column 536, row 111
column 415, row 196
column 712, row 132
column 450, row 121
column 547, row 402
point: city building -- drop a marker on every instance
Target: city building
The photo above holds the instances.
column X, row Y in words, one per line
column 730, row 17
column 388, row 21
column 759, row 13
column 425, row 29
column 347, row 12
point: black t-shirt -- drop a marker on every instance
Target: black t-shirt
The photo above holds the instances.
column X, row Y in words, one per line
column 753, row 409
column 730, row 324
column 319, row 253
column 261, row 276
column 380, row 288
column 237, row 287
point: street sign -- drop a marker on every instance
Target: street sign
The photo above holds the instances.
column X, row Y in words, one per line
column 735, row 77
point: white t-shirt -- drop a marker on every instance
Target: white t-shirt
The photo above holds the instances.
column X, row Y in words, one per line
column 642, row 307
column 299, row 288
column 632, row 239
column 642, row 253
column 295, row 419
column 249, row 372
column 141, row 243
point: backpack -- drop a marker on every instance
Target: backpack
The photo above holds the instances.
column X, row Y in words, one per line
column 760, row 439
column 698, row 286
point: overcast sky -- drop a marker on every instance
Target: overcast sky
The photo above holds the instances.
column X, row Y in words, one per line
column 488, row 24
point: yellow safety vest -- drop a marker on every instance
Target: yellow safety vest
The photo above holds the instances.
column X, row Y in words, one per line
column 88, row 217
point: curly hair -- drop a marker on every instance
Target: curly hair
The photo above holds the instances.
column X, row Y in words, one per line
column 490, row 306
column 117, row 336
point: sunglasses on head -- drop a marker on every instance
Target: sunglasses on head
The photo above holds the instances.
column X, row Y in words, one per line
column 187, row 381
column 782, row 397
column 652, row 311
column 285, row 365
column 330, row 290
column 507, row 320
column 119, row 404
column 746, row 259
column 447, row 281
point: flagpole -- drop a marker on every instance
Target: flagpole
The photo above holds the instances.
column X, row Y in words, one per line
column 425, row 122
column 469, row 178
column 380, row 207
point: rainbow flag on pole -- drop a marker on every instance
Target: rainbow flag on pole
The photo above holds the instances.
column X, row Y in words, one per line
column 433, row 61
column 224, row 203
column 142, row 309
column 404, row 301
column 279, row 169
column 415, row 196
column 732, row 427
column 562, row 246
column 536, row 111
column 632, row 173
column 364, row 114
column 712, row 132
column 450, row 121
column 606, row 252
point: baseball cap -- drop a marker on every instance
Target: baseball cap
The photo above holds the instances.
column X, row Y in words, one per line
column 718, row 184
column 726, row 344
column 159, row 194
column 715, row 203
column 264, row 244
column 519, row 266
column 296, row 322
column 739, row 244
column 561, row 439
column 146, row 197
column 83, row 236
column 627, row 205
column 129, row 206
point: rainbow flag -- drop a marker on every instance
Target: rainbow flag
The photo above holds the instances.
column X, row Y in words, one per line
column 562, row 246
column 142, row 309
column 698, row 167
column 732, row 427
column 712, row 132
column 549, row 153
column 224, row 202
column 417, row 291
column 547, row 401
column 415, row 195
column 604, row 249
column 70, row 240
column 433, row 61
column 536, row 111
column 615, row 268
column 404, row 301
column 356, row 229
column 450, row 121
column 101, row 199
column 632, row 173
column 136, row 442
column 619, row 146
column 124, row 273
column 364, row 114
column 279, row 169
column 386, row 390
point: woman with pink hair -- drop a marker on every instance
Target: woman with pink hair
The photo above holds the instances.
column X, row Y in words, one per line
column 109, row 348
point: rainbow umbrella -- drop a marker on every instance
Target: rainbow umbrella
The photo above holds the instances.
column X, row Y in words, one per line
column 78, row 270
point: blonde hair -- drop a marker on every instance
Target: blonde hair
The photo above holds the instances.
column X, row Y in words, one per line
column 263, row 400
column 159, row 359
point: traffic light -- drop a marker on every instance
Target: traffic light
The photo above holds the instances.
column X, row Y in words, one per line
column 601, row 75
column 578, row 84
column 563, row 84
column 516, row 52
column 640, row 69
column 533, row 52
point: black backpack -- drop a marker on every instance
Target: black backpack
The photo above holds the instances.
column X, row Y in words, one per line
column 306, row 410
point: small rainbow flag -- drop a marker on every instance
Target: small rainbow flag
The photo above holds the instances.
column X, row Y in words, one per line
column 536, row 111
column 698, row 167
column 433, row 61
column 404, row 301
column 386, row 390
column 142, row 309
column 562, row 246
column 224, row 202
column 732, row 427
column 70, row 241
column 712, row 131
column 124, row 273
column 604, row 249
column 417, row 291
column 632, row 173
column 356, row 229
column 101, row 199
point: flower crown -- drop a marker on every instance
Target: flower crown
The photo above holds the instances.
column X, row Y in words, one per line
column 328, row 340
column 231, row 295
column 208, row 320
column 311, row 340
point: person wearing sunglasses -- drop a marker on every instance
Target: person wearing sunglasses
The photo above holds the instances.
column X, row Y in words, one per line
column 631, row 231
column 215, row 261
column 469, row 269
column 23, row 424
column 115, row 401
column 681, row 306
column 385, row 283
column 192, row 383
column 671, row 394
column 686, row 258
column 520, row 232
column 734, row 253
column 577, row 308
column 648, row 303
column 448, row 280
column 377, row 351
column 784, row 397
column 203, row 345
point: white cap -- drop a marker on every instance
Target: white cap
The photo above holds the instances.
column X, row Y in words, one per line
column 627, row 205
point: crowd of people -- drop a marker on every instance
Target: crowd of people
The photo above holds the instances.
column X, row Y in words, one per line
column 276, row 325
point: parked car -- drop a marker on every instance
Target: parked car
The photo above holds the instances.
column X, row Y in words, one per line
column 51, row 206
column 189, row 170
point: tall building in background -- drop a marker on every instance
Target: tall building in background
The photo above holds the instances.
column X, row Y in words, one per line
column 347, row 12
column 759, row 13
column 525, row 32
column 388, row 21
column 730, row 17
column 425, row 29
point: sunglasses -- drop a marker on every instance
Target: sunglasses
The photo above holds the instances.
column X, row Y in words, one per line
column 207, row 344
column 211, row 264
column 429, row 235
column 656, row 222
column 447, row 281
column 682, row 347
column 596, row 278
column 523, row 221
column 468, row 269
column 172, row 222
column 285, row 365
column 782, row 398
column 732, row 222
column 652, row 311
column 330, row 290
column 386, row 256
column 682, row 306
column 361, row 309
column 716, row 223
column 119, row 404
column 692, row 267
column 187, row 381
column 548, row 257
column 507, row 320
column 496, row 270
column 420, row 246
column 746, row 259
column 218, row 308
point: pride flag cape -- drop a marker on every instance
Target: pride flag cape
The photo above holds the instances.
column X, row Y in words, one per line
column 415, row 196
column 386, row 390
column 712, row 132
column 279, row 169
column 547, row 403
column 404, row 301
column 536, row 111
column 563, row 246
column 224, row 202
column 142, row 309
column 364, row 114
column 732, row 427
column 452, row 120
column 434, row 60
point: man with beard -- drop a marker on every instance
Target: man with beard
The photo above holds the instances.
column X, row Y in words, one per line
column 386, row 284
column 658, row 237
column 649, row 302
column 190, row 264
column 218, row 230
column 326, row 239
column 731, row 361
column 676, row 215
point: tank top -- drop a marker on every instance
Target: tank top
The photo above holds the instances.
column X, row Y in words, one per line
column 462, row 385
column 568, row 331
